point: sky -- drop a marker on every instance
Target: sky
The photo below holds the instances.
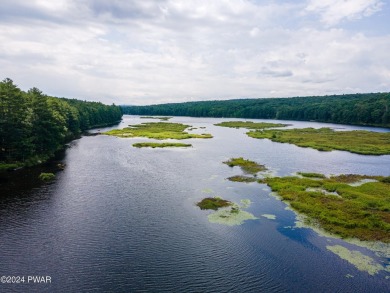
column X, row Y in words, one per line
column 143, row 52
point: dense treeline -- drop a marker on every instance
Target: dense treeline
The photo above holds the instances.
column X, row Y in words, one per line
column 34, row 126
column 359, row 109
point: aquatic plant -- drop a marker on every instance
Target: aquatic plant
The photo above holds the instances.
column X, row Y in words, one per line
column 230, row 218
column 360, row 261
column 213, row 203
column 360, row 211
column 156, row 117
column 157, row 130
column 249, row 124
column 311, row 175
column 160, row 145
column 249, row 167
column 46, row 176
column 241, row 178
column 326, row 139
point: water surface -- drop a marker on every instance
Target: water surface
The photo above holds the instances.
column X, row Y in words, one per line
column 123, row 219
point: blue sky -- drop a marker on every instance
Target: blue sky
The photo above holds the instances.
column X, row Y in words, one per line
column 146, row 52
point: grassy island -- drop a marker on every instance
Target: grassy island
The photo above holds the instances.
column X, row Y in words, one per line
column 249, row 124
column 247, row 166
column 157, row 130
column 241, row 178
column 213, row 203
column 47, row 176
column 161, row 145
column 347, row 205
column 326, row 139
column 154, row 117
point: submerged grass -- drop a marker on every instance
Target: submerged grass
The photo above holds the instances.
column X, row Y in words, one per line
column 157, row 130
column 249, row 167
column 361, row 211
column 161, row 145
column 249, row 124
column 326, row 139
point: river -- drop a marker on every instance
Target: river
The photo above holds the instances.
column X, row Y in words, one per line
column 123, row 219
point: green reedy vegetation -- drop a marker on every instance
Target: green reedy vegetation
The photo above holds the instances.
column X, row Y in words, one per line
column 161, row 145
column 157, row 130
column 213, row 203
column 359, row 109
column 241, row 178
column 359, row 211
column 153, row 117
column 47, row 176
column 249, row 124
column 247, row 166
column 311, row 175
column 33, row 126
column 326, row 139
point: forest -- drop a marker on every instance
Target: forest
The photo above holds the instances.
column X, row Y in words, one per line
column 33, row 126
column 357, row 109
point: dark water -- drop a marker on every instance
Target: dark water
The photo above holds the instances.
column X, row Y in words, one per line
column 122, row 219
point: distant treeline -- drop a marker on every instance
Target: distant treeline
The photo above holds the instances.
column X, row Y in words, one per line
column 358, row 109
column 34, row 126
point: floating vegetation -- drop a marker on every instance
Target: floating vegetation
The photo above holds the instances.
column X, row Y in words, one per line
column 7, row 167
column 245, row 203
column 157, row 130
column 230, row 217
column 361, row 212
column 269, row 216
column 249, row 124
column 249, row 167
column 207, row 190
column 360, row 261
column 311, row 175
column 161, row 145
column 156, row 117
column 213, row 203
column 242, row 178
column 46, row 176
column 326, row 139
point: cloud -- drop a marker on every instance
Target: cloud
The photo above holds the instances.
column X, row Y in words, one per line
column 144, row 52
column 333, row 12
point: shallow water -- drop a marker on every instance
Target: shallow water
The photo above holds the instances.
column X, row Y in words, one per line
column 123, row 219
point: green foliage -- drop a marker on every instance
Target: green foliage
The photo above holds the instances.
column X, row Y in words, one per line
column 326, row 139
column 247, row 166
column 361, row 211
column 249, row 124
column 213, row 203
column 240, row 178
column 359, row 109
column 46, row 176
column 157, row 130
column 160, row 145
column 34, row 126
column 312, row 175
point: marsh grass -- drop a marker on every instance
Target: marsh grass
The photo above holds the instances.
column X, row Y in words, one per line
column 161, row 145
column 6, row 167
column 247, row 166
column 213, row 203
column 46, row 176
column 157, row 130
column 326, row 139
column 311, row 175
column 241, row 178
column 361, row 212
column 249, row 124
column 154, row 117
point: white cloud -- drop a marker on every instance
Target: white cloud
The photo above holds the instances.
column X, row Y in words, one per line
column 144, row 52
column 334, row 11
